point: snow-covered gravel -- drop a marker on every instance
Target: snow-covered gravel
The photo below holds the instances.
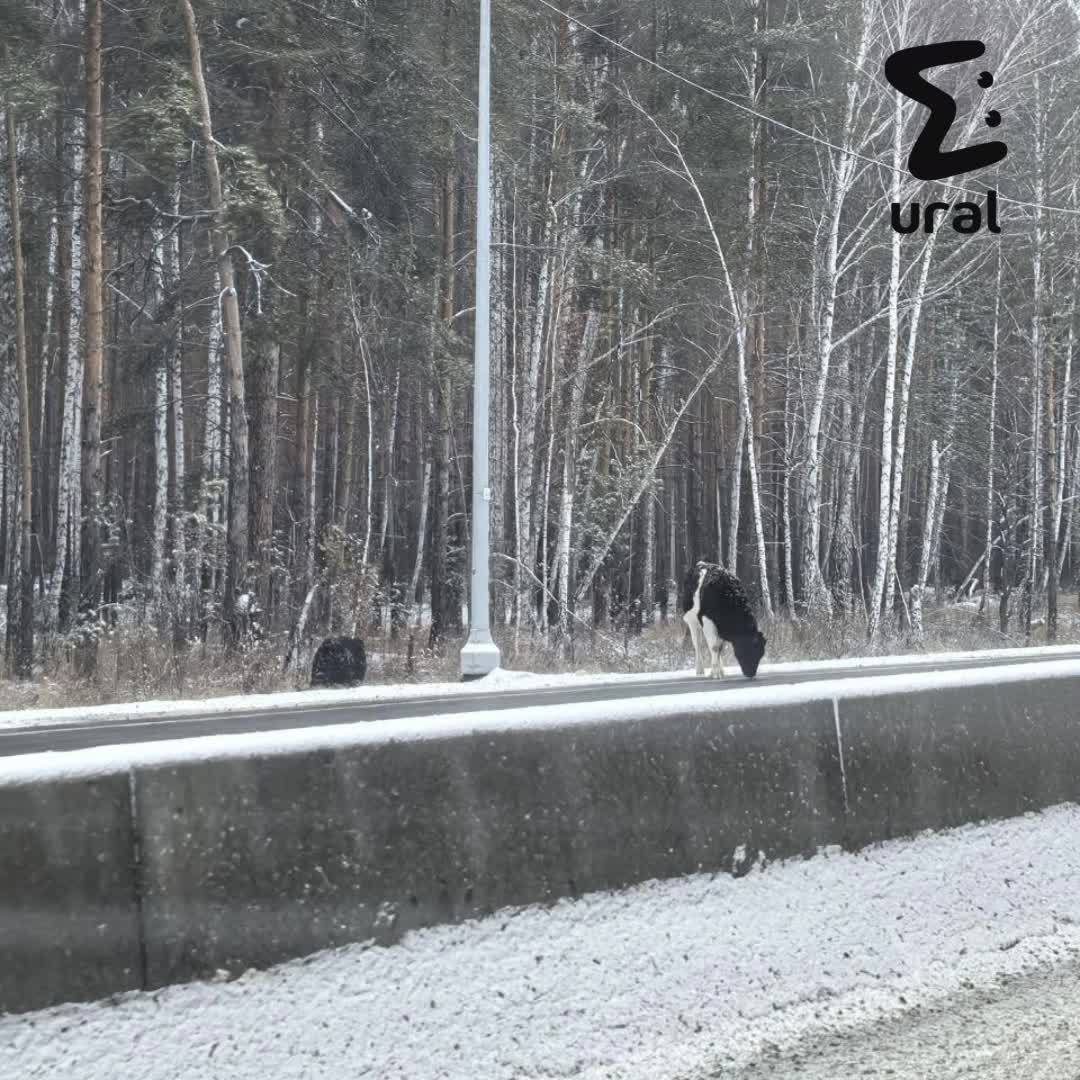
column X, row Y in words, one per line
column 1024, row 1027
column 667, row 980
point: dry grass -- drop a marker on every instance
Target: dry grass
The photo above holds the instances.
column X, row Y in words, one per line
column 137, row 666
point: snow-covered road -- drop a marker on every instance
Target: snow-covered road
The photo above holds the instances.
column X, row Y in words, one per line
column 235, row 725
column 497, row 688
column 681, row 979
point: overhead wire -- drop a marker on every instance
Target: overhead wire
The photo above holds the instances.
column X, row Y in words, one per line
column 772, row 120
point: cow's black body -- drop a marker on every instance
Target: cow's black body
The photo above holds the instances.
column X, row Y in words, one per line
column 716, row 608
column 339, row 661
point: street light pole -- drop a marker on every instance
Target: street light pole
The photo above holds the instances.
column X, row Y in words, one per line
column 480, row 654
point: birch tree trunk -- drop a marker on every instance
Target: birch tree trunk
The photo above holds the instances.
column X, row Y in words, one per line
column 885, row 493
column 64, row 590
column 735, row 511
column 311, row 308
column 46, row 476
column 1074, row 505
column 237, row 537
column 421, row 536
column 211, row 495
column 184, row 600
column 526, row 432
column 503, row 235
column 160, row 363
column 1051, row 484
column 741, row 330
column 928, row 536
column 789, row 455
column 988, row 552
column 1038, row 512
column 756, row 279
column 312, row 535
column 1063, row 428
column 389, row 483
column 816, row 597
column 755, row 492
column 570, row 461
column 903, row 413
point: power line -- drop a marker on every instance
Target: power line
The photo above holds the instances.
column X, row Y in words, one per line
column 780, row 123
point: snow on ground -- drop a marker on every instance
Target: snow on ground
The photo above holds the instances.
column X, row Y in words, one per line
column 500, row 682
column 666, row 981
column 97, row 761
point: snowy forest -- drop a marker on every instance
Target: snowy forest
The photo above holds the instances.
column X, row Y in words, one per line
column 236, row 301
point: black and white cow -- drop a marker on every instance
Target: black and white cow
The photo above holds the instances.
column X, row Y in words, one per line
column 716, row 609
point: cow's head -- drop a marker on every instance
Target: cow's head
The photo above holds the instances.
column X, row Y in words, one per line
column 749, row 649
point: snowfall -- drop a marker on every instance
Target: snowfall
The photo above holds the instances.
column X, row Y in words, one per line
column 670, row 980
column 673, row 979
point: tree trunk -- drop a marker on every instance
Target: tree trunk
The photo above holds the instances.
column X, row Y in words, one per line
column 601, row 551
column 928, row 536
column 265, row 349
column 237, row 535
column 23, row 637
column 442, row 592
column 421, row 539
column 64, row 589
column 1036, row 530
column 369, row 491
column 988, row 552
column 184, row 604
column 1051, row 532
column 159, row 361
column 93, row 488
column 211, row 499
column 815, row 595
column 1063, row 429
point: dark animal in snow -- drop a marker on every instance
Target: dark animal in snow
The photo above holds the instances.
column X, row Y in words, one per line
column 339, row 661
column 716, row 609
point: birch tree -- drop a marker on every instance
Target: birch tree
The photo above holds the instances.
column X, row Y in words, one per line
column 237, row 536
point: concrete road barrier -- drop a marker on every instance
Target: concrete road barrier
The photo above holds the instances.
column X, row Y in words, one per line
column 957, row 755
column 69, row 905
column 248, row 862
column 161, row 864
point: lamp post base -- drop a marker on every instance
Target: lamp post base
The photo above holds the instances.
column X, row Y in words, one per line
column 479, row 657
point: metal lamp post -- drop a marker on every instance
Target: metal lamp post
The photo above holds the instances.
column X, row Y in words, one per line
column 480, row 654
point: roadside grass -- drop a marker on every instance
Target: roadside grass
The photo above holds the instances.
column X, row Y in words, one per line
column 134, row 665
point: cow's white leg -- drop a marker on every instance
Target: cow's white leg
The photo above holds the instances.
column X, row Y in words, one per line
column 716, row 643
column 691, row 620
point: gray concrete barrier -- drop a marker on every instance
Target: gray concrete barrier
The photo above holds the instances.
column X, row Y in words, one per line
column 958, row 755
column 249, row 862
column 69, row 909
column 172, row 870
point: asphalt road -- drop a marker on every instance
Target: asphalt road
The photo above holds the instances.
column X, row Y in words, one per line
column 1027, row 1028
column 121, row 730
